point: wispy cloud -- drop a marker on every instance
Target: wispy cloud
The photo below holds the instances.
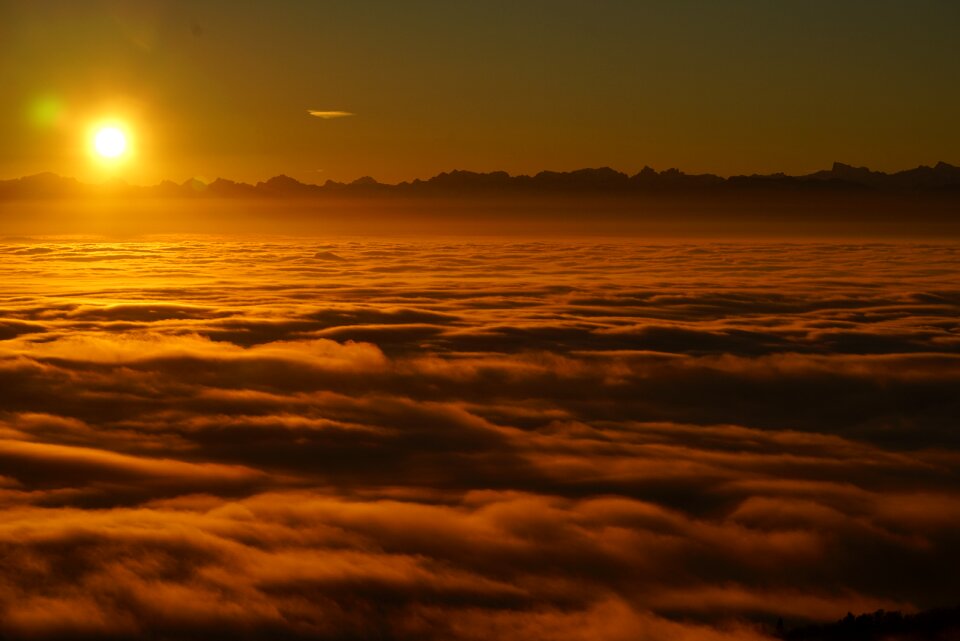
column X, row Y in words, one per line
column 326, row 115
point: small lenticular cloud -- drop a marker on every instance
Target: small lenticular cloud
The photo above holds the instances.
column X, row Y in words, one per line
column 326, row 115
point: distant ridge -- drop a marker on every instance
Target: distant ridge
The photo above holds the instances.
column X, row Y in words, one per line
column 937, row 624
column 942, row 179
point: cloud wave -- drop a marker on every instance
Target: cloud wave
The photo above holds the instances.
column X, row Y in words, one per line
column 452, row 440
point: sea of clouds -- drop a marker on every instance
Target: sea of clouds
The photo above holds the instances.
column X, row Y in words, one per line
column 368, row 439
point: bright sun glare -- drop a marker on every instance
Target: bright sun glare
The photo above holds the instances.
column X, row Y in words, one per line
column 110, row 142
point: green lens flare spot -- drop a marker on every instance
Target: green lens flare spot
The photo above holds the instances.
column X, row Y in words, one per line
column 46, row 111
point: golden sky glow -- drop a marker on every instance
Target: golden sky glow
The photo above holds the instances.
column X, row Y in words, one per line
column 595, row 405
column 226, row 88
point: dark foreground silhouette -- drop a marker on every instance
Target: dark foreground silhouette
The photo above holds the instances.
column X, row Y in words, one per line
column 942, row 624
column 844, row 201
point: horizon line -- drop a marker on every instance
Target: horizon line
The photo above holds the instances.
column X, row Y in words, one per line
column 369, row 180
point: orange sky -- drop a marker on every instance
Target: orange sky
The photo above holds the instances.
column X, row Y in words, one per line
column 224, row 88
column 566, row 411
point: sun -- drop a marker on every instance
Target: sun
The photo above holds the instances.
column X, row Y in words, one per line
column 110, row 142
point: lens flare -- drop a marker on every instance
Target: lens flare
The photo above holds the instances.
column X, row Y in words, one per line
column 46, row 111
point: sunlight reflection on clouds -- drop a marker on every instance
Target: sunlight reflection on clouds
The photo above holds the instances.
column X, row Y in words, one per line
column 473, row 440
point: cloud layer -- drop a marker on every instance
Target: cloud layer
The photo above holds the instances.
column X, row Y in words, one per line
column 473, row 441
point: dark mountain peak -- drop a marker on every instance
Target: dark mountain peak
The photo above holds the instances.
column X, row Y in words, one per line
column 591, row 178
column 284, row 185
column 585, row 172
column 672, row 179
column 194, row 184
column 167, row 188
column 601, row 176
column 280, row 181
column 47, row 178
column 44, row 176
column 941, row 175
column 849, row 172
column 42, row 185
column 843, row 173
column 840, row 167
column 647, row 173
column 598, row 172
column 224, row 187
column 462, row 179
column 365, row 181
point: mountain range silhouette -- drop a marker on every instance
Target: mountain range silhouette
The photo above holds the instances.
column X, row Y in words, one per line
column 938, row 624
column 941, row 179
